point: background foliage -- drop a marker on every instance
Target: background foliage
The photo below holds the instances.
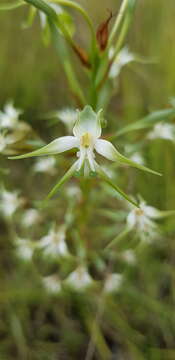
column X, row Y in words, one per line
column 136, row 322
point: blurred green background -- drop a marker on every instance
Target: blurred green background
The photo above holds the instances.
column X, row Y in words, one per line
column 31, row 75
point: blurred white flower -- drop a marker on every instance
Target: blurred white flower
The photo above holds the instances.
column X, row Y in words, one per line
column 53, row 244
column 30, row 217
column 129, row 256
column 79, row 279
column 68, row 117
column 110, row 171
column 9, row 202
column 7, row 140
column 138, row 158
column 24, row 249
column 123, row 58
column 142, row 220
column 162, row 131
column 113, row 282
column 52, row 283
column 46, row 165
column 74, row 192
column 10, row 116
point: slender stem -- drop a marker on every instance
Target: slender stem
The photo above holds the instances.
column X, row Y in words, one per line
column 122, row 36
column 118, row 21
column 119, row 44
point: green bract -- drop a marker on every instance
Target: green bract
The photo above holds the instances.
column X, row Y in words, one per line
column 87, row 132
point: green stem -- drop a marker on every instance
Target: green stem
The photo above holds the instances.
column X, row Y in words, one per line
column 103, row 73
column 118, row 21
column 122, row 36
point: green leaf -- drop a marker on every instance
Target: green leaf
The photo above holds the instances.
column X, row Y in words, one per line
column 147, row 121
column 129, row 162
column 114, row 186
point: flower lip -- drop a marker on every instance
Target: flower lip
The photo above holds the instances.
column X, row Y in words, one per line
column 86, row 140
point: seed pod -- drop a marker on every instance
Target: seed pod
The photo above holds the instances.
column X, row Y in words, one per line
column 103, row 33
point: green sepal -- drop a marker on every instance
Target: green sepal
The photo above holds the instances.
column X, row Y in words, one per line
column 105, row 178
column 65, row 178
column 118, row 238
column 122, row 159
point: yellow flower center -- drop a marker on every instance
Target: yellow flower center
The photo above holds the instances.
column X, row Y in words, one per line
column 139, row 212
column 86, row 140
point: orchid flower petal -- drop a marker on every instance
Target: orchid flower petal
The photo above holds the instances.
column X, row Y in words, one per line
column 106, row 149
column 88, row 122
column 55, row 147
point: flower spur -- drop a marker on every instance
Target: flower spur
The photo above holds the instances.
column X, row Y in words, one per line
column 87, row 132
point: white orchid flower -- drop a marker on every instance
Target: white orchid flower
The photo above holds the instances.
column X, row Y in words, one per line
column 45, row 165
column 24, row 249
column 8, row 140
column 54, row 244
column 79, row 279
column 87, row 132
column 162, row 131
column 10, row 116
column 30, row 217
column 68, row 117
column 113, row 283
column 143, row 222
column 123, row 58
column 9, row 202
column 52, row 284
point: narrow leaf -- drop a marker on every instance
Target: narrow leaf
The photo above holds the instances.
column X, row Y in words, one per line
column 65, row 178
column 147, row 121
column 119, row 237
column 114, row 186
column 129, row 162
